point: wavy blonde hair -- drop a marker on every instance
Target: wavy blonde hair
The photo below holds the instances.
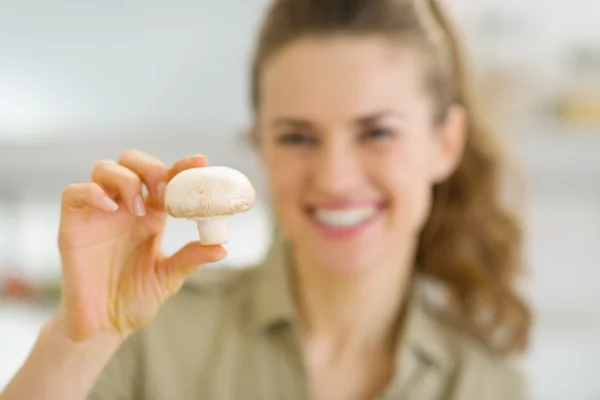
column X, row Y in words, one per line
column 472, row 241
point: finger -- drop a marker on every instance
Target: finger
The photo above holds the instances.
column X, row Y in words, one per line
column 122, row 183
column 198, row 161
column 151, row 171
column 87, row 195
column 189, row 258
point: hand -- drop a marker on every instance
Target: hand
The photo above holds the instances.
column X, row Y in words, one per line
column 115, row 277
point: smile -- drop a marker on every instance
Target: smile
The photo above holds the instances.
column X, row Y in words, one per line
column 341, row 221
column 346, row 218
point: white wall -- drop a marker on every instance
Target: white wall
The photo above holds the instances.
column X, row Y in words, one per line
column 564, row 249
column 74, row 65
column 68, row 67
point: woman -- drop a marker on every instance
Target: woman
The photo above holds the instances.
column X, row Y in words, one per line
column 393, row 274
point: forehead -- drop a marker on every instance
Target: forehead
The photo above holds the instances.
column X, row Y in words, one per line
column 341, row 75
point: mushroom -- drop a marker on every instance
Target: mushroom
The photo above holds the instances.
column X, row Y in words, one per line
column 209, row 195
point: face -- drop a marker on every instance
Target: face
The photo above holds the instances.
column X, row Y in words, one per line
column 351, row 149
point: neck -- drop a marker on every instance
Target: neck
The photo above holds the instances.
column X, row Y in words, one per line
column 349, row 315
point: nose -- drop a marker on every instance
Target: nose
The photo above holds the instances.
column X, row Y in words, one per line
column 338, row 169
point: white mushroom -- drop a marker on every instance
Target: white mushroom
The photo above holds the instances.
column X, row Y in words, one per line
column 208, row 196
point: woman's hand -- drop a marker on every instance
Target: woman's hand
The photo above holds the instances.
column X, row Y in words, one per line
column 115, row 277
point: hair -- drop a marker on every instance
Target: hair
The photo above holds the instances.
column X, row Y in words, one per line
column 472, row 241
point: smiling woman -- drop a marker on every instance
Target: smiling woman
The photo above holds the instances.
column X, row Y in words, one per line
column 382, row 180
column 379, row 129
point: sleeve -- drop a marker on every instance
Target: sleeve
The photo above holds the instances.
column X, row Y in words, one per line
column 120, row 378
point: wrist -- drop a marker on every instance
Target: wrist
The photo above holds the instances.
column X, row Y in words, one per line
column 57, row 332
column 59, row 367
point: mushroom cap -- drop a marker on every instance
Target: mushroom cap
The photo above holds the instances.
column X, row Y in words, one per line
column 208, row 192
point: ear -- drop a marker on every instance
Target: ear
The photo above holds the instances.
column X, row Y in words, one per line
column 251, row 135
column 451, row 140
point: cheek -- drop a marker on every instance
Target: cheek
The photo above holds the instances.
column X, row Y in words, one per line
column 407, row 169
column 286, row 176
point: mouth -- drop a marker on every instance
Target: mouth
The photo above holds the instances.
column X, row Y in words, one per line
column 342, row 220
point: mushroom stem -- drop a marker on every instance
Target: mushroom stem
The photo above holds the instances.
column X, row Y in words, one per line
column 212, row 230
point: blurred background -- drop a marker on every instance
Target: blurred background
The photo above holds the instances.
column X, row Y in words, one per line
column 82, row 81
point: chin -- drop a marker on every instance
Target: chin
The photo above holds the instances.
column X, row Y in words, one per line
column 346, row 260
column 343, row 269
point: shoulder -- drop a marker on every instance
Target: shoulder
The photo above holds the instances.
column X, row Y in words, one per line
column 477, row 368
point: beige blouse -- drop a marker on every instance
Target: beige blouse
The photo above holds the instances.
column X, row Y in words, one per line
column 231, row 335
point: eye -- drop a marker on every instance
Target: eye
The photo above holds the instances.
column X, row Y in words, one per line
column 296, row 139
column 378, row 134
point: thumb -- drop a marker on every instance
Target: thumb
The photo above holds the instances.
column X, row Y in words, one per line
column 188, row 259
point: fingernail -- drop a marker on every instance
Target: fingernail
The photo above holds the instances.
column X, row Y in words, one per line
column 138, row 206
column 160, row 191
column 111, row 203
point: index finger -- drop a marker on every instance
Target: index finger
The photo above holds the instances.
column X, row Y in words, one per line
column 197, row 161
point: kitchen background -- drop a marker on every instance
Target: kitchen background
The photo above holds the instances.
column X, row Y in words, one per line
column 81, row 81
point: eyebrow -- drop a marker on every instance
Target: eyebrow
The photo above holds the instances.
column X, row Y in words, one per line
column 363, row 120
column 371, row 118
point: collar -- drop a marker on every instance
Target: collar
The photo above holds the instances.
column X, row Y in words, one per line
column 424, row 335
column 423, row 343
column 424, row 351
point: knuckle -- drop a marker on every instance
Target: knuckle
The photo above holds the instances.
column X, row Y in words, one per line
column 69, row 190
column 77, row 190
column 104, row 163
column 89, row 189
column 129, row 155
column 159, row 165
column 130, row 180
column 147, row 166
column 101, row 165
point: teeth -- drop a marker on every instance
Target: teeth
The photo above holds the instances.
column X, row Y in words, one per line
column 344, row 218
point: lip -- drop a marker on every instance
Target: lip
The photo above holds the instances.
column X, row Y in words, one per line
column 344, row 205
column 331, row 232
